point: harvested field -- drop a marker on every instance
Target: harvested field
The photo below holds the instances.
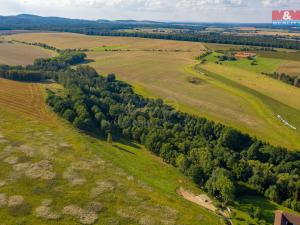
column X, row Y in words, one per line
column 18, row 54
column 291, row 68
column 25, row 98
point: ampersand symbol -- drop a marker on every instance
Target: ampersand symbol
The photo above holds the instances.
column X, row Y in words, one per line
column 286, row 15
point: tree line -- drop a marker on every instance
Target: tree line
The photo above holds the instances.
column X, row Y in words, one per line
column 42, row 69
column 222, row 160
column 286, row 78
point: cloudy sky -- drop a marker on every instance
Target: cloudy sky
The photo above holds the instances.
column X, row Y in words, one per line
column 161, row 10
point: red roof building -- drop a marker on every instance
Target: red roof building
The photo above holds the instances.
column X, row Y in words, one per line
column 284, row 218
column 244, row 54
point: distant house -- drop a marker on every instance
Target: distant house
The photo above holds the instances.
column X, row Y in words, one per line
column 284, row 218
column 244, row 54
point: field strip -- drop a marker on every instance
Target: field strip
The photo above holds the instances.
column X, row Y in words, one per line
column 255, row 99
column 25, row 98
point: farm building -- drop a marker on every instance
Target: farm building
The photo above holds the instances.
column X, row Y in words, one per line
column 284, row 218
column 244, row 54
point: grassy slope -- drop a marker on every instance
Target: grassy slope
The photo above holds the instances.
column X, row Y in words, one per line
column 144, row 186
column 267, row 107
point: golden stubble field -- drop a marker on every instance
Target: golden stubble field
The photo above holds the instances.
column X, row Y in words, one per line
column 25, row 98
column 17, row 54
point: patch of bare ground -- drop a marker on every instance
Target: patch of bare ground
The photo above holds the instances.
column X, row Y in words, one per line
column 205, row 202
column 102, row 187
column 27, row 150
column 39, row 170
column 6, row 152
column 72, row 173
column 3, row 200
column 2, row 183
column 202, row 200
column 163, row 215
column 82, row 215
column 15, row 201
column 45, row 212
column 11, row 160
column 74, row 179
column 2, row 139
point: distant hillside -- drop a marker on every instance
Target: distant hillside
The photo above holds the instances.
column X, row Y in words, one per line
column 195, row 32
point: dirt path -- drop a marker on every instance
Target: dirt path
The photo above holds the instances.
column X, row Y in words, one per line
column 204, row 201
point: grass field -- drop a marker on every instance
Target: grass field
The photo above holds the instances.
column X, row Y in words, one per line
column 159, row 68
column 57, row 175
column 268, row 65
column 18, row 54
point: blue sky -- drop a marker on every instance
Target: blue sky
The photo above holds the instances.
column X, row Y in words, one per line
column 161, row 10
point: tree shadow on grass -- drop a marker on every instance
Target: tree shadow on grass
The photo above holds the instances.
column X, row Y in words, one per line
column 128, row 143
column 247, row 203
column 123, row 149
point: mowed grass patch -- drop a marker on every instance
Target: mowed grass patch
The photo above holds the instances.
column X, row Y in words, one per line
column 266, row 65
column 272, row 88
column 18, row 54
column 267, row 108
column 133, row 186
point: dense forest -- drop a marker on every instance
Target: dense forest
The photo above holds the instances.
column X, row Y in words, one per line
column 220, row 159
column 263, row 41
column 186, row 32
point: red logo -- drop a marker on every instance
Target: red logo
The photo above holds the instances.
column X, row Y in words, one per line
column 286, row 15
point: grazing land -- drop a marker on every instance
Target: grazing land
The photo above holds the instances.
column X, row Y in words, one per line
column 52, row 173
column 17, row 54
column 160, row 68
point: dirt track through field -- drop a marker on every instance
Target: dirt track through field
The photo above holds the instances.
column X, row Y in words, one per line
column 25, row 98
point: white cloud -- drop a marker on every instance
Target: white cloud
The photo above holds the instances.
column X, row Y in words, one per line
column 168, row 10
column 136, row 4
column 278, row 3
